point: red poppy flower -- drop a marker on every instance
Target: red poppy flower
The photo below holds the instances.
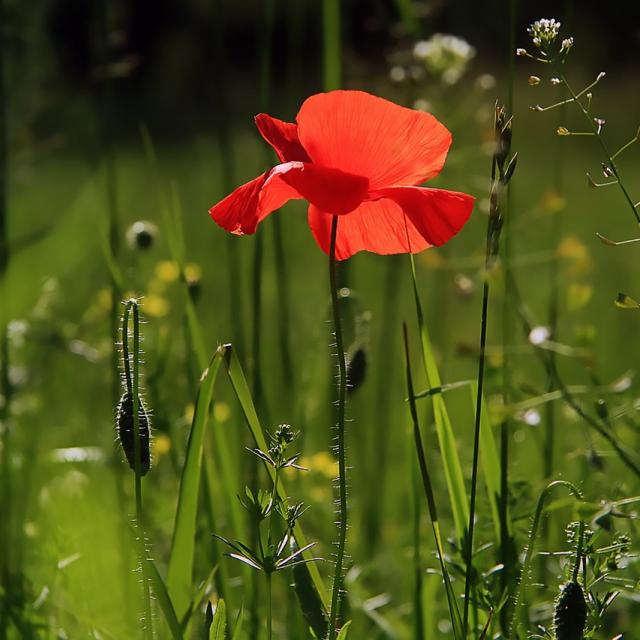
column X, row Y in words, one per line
column 360, row 157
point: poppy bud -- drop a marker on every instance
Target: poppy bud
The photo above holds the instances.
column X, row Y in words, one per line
column 125, row 431
column 356, row 370
column 570, row 614
column 141, row 235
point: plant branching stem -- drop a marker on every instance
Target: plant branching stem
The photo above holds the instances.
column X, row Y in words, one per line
column 567, row 395
column 342, row 467
column 596, row 131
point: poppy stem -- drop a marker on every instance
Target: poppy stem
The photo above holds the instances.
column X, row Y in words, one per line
column 342, row 468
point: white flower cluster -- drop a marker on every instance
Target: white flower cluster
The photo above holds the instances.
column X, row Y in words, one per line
column 444, row 55
column 544, row 31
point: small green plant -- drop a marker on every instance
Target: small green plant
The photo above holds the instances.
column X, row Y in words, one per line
column 268, row 510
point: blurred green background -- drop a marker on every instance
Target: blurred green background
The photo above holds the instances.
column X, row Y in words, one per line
column 84, row 81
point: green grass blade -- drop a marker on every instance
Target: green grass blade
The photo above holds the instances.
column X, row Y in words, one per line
column 444, row 430
column 237, row 629
column 490, row 461
column 241, row 388
column 454, row 613
column 179, row 576
column 218, row 628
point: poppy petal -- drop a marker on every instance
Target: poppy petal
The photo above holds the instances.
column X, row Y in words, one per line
column 378, row 226
column 362, row 134
column 331, row 189
column 238, row 212
column 437, row 214
column 282, row 136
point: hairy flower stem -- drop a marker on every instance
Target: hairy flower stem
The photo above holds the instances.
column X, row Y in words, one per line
column 342, row 467
column 133, row 387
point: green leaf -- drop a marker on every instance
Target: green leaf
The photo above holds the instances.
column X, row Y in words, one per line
column 218, row 628
column 241, row 388
column 344, row 631
column 179, row 575
column 444, row 431
column 237, row 630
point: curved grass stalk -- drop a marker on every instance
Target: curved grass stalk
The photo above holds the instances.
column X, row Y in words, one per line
column 533, row 534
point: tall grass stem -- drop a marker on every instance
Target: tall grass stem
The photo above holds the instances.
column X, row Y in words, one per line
column 476, row 452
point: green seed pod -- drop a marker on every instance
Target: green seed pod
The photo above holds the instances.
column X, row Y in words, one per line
column 570, row 614
column 125, row 430
column 356, row 370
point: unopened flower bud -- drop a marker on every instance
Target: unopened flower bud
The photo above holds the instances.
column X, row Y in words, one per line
column 567, row 43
